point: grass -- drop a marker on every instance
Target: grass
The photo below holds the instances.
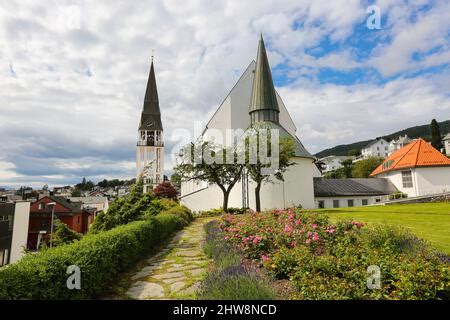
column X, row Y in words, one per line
column 429, row 221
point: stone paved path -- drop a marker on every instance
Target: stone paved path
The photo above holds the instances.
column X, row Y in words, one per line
column 176, row 271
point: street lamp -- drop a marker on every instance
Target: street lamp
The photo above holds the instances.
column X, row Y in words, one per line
column 53, row 204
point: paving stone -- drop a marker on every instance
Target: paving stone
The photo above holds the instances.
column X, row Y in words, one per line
column 177, row 286
column 190, row 290
column 172, row 280
column 197, row 272
column 182, row 268
column 168, row 275
column 188, row 253
column 145, row 290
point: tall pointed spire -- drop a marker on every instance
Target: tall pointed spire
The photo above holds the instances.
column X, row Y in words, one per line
column 151, row 115
column 263, row 103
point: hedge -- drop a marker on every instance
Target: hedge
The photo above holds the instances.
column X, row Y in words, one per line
column 100, row 258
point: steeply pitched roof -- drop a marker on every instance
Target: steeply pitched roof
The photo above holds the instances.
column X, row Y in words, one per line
column 447, row 137
column 263, row 92
column 151, row 115
column 416, row 154
column 352, row 187
column 373, row 142
column 73, row 206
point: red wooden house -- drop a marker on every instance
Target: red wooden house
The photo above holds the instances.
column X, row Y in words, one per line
column 70, row 213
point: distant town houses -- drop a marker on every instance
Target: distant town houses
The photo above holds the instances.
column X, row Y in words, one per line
column 398, row 143
column 331, row 163
column 43, row 211
column 377, row 148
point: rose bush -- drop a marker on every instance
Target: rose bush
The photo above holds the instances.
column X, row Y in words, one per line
column 329, row 260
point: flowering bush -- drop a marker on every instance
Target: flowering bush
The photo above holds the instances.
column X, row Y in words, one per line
column 329, row 260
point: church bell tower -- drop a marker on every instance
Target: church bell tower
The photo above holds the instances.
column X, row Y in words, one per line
column 150, row 145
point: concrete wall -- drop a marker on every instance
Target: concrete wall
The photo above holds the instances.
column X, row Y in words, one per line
column 426, row 181
column 343, row 201
column 20, row 230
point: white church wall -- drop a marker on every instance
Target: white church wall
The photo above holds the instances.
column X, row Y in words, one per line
column 297, row 189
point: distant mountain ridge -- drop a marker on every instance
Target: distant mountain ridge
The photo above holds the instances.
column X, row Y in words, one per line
column 422, row 131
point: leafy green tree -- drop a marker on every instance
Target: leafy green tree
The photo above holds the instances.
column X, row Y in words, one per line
column 347, row 168
column 257, row 170
column 219, row 172
column 176, row 180
column 63, row 234
column 435, row 132
column 363, row 168
column 354, row 153
column 76, row 193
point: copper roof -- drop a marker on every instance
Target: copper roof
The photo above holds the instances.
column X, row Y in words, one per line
column 416, row 154
column 263, row 92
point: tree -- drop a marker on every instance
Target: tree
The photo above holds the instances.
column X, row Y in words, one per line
column 346, row 168
column 176, row 180
column 436, row 139
column 205, row 161
column 354, row 153
column 63, row 234
column 260, row 171
column 76, row 193
column 363, row 168
column 165, row 190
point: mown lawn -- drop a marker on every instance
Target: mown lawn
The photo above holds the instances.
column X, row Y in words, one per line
column 429, row 221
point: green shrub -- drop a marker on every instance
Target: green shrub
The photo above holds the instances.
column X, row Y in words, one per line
column 330, row 261
column 100, row 258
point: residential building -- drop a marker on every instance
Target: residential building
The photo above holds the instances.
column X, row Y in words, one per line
column 417, row 169
column 150, row 145
column 65, row 191
column 377, row 148
column 331, row 163
column 97, row 203
column 14, row 218
column 339, row 193
column 70, row 213
column 446, row 143
column 398, row 143
column 254, row 102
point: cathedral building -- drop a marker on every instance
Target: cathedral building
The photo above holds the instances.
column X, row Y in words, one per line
column 150, row 145
column 253, row 101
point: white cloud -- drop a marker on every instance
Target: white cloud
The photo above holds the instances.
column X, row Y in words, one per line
column 72, row 93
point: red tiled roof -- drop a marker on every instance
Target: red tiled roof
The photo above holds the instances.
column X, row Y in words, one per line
column 419, row 153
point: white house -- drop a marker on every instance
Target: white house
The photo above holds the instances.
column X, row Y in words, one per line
column 254, row 101
column 14, row 219
column 398, row 143
column 331, row 163
column 446, row 142
column 98, row 203
column 417, row 169
column 377, row 148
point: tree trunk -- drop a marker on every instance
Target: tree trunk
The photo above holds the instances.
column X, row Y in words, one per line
column 225, row 200
column 257, row 198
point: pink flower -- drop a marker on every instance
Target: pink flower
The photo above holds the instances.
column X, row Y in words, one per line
column 226, row 237
column 330, row 231
column 314, row 226
column 292, row 244
column 255, row 240
column 315, row 237
column 308, row 241
column 265, row 258
column 298, row 222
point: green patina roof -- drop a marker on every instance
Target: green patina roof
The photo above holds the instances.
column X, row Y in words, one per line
column 151, row 116
column 300, row 150
column 263, row 92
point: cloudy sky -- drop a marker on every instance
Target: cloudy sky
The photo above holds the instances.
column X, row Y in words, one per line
column 73, row 74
